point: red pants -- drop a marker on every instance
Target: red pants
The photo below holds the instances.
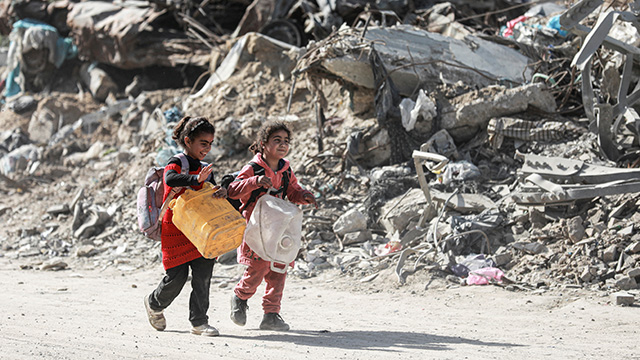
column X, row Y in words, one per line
column 252, row 278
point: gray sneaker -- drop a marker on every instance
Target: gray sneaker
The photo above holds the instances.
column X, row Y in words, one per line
column 205, row 330
column 238, row 310
column 156, row 318
column 273, row 321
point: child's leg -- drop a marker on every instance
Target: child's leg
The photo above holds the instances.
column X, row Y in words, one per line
column 201, row 271
column 251, row 279
column 273, row 292
column 169, row 287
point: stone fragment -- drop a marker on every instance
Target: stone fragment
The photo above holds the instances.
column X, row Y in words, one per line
column 575, row 229
column 356, row 237
column 623, row 298
column 58, row 209
column 54, row 265
column 626, row 283
column 627, row 231
column 610, row 254
column 502, row 259
column 633, row 248
column 586, row 275
column 397, row 212
column 633, row 273
column 351, row 221
column 86, row 251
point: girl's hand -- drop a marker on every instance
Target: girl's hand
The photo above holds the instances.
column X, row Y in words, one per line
column 264, row 181
column 308, row 198
column 219, row 192
column 204, row 173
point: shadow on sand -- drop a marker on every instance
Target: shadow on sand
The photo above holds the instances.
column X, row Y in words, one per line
column 370, row 340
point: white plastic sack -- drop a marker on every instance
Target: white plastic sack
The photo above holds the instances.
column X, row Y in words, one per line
column 274, row 231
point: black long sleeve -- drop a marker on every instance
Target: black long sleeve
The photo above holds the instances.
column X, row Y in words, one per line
column 174, row 178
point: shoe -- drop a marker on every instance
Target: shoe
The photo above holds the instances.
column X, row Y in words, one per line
column 273, row 321
column 238, row 310
column 156, row 318
column 205, row 330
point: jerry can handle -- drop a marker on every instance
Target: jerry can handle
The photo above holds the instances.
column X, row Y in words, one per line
column 277, row 269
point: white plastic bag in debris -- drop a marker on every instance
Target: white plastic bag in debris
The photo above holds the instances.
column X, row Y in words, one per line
column 274, row 231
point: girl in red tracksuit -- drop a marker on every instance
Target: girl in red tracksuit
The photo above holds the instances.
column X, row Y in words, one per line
column 270, row 149
column 195, row 135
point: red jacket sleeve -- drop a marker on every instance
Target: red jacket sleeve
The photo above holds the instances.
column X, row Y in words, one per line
column 243, row 185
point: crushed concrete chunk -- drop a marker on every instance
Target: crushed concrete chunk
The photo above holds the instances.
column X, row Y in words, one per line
column 623, row 298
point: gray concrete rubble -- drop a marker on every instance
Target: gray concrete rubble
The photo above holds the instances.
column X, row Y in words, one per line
column 434, row 145
column 421, row 58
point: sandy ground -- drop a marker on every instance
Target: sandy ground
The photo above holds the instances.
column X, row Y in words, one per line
column 93, row 314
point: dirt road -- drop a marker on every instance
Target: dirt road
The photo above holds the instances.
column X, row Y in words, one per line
column 91, row 314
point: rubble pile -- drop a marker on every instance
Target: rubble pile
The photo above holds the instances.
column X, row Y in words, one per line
column 502, row 151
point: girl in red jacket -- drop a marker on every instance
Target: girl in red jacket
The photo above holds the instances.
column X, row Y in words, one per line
column 195, row 135
column 270, row 149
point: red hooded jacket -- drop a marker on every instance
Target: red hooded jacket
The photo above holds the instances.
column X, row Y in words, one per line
column 246, row 182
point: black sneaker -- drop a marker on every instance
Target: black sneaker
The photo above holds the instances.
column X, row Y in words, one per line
column 238, row 310
column 273, row 321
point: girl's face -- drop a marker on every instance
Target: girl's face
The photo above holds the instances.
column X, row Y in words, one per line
column 200, row 146
column 277, row 146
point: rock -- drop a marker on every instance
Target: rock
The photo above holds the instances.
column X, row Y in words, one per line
column 623, row 298
column 537, row 219
column 398, row 212
column 351, row 221
column 478, row 107
column 531, row 248
column 632, row 248
column 502, row 259
column 586, row 275
column 633, row 273
column 42, row 126
column 626, row 283
column 356, row 237
column 86, row 251
column 627, row 231
column 54, row 265
column 98, row 81
column 58, row 209
column 610, row 254
column 93, row 224
column 575, row 229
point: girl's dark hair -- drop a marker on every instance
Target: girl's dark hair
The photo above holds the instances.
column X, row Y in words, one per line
column 191, row 128
column 266, row 130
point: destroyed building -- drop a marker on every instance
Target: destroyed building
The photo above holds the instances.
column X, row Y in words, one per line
column 479, row 142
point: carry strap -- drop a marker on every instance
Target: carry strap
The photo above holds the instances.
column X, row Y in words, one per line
column 174, row 190
column 259, row 170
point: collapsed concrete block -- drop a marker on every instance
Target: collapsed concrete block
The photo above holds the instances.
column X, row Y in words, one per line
column 351, row 221
column 623, row 298
column 58, row 209
column 356, row 237
column 472, row 111
column 633, row 273
column 476, row 61
column 398, row 212
column 633, row 248
column 610, row 254
column 575, row 229
column 626, row 283
column 97, row 81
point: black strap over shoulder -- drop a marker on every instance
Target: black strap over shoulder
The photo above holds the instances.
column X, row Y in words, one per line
column 259, row 170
